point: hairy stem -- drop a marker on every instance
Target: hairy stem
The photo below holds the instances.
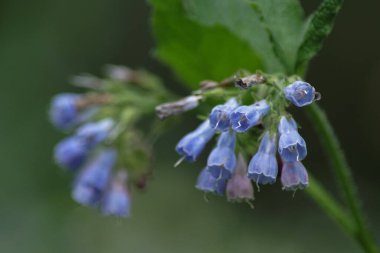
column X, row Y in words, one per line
column 343, row 172
column 330, row 206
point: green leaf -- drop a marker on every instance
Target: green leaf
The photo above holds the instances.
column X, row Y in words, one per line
column 273, row 28
column 283, row 21
column 211, row 39
column 241, row 20
column 196, row 52
column 318, row 28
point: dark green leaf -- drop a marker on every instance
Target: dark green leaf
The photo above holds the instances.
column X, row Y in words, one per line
column 241, row 20
column 283, row 21
column 318, row 28
column 273, row 28
column 196, row 52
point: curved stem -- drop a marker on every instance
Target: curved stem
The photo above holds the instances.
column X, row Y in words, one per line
column 343, row 172
column 330, row 206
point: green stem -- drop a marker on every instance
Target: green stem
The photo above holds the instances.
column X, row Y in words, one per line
column 330, row 206
column 343, row 172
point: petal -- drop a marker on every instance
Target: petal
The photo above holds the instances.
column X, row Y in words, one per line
column 292, row 147
column 294, row 176
column 221, row 162
column 263, row 168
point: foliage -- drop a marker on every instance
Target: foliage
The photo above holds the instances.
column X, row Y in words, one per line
column 196, row 52
column 319, row 27
column 203, row 39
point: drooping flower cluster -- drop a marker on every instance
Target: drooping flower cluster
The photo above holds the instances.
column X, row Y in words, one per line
column 103, row 140
column 238, row 126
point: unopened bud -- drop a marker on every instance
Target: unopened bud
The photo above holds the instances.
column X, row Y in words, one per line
column 173, row 108
column 86, row 81
column 120, row 73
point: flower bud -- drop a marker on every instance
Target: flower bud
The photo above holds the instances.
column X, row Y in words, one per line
column 95, row 132
column 169, row 109
column 119, row 73
column 63, row 111
column 86, row 81
column 71, row 153
column 301, row 93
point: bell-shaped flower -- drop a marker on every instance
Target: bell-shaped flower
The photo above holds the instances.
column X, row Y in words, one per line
column 208, row 183
column 244, row 117
column 294, row 176
column 71, row 153
column 192, row 144
column 300, row 93
column 220, row 115
column 239, row 187
column 63, row 110
column 291, row 146
column 222, row 159
column 116, row 200
column 263, row 167
column 93, row 179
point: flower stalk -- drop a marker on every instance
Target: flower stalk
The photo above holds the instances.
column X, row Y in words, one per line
column 343, row 173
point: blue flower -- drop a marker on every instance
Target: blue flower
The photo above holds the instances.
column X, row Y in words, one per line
column 91, row 182
column 263, row 167
column 220, row 115
column 63, row 111
column 287, row 125
column 207, row 183
column 116, row 200
column 245, row 117
column 291, row 146
column 192, row 144
column 222, row 159
column 95, row 132
column 71, row 153
column 300, row 93
column 294, row 176
column 239, row 187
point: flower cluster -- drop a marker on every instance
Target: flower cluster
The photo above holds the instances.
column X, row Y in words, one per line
column 239, row 125
column 104, row 138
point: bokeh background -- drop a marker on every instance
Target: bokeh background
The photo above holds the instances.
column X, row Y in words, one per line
column 44, row 42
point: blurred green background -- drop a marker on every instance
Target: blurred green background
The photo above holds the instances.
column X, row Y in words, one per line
column 42, row 43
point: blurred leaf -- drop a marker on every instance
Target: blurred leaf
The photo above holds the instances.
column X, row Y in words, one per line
column 196, row 52
column 318, row 28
